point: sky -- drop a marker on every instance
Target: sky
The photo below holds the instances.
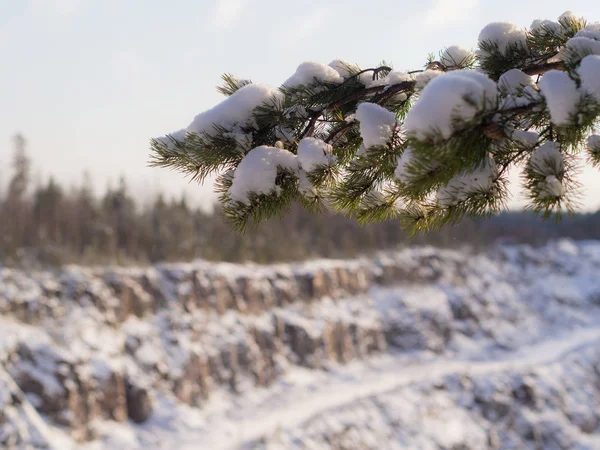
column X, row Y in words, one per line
column 89, row 82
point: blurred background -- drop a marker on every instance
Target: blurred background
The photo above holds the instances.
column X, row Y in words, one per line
column 493, row 346
column 87, row 83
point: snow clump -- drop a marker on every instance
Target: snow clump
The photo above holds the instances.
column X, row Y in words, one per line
column 456, row 56
column 547, row 159
column 552, row 187
column 455, row 96
column 377, row 124
column 171, row 141
column 234, row 115
column 567, row 16
column 307, row 72
column 580, row 45
column 546, row 27
column 422, row 79
column 235, row 112
column 561, row 96
column 589, row 71
column 504, row 35
column 593, row 143
column 513, row 81
column 525, row 138
column 401, row 171
column 394, row 77
column 585, row 42
column 257, row 172
column 346, row 70
column 591, row 31
column 314, row 152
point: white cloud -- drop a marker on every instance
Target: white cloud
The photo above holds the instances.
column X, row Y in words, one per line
column 227, row 12
column 304, row 26
column 449, row 12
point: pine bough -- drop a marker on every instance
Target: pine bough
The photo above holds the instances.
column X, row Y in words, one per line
column 427, row 147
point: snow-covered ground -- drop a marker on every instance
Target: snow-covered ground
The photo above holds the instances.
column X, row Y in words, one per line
column 422, row 348
column 304, row 400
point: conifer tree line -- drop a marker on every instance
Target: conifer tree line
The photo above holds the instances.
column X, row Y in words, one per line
column 427, row 147
column 44, row 224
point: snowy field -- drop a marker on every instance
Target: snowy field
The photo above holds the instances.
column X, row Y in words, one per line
column 417, row 349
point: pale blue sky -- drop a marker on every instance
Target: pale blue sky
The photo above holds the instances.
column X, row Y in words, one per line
column 90, row 81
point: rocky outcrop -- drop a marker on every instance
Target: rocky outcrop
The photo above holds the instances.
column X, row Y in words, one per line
column 68, row 391
column 88, row 345
column 119, row 293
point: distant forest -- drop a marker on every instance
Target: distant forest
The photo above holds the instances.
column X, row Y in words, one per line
column 43, row 224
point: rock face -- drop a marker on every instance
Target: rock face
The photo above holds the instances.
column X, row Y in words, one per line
column 87, row 346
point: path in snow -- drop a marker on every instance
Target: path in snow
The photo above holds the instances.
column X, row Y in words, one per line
column 297, row 403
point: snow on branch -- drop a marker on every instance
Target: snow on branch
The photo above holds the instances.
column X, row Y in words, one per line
column 429, row 145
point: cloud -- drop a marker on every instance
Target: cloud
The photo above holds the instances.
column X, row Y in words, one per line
column 303, row 27
column 445, row 13
column 227, row 12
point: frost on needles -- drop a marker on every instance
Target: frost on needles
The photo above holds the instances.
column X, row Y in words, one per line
column 425, row 146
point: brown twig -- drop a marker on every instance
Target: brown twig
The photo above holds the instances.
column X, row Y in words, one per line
column 339, row 131
column 540, row 69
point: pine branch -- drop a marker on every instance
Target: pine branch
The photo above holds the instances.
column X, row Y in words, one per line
column 412, row 166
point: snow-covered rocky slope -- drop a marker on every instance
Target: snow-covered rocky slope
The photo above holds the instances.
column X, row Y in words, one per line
column 422, row 348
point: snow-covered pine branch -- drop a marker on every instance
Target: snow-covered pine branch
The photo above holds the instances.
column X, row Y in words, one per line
column 427, row 146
